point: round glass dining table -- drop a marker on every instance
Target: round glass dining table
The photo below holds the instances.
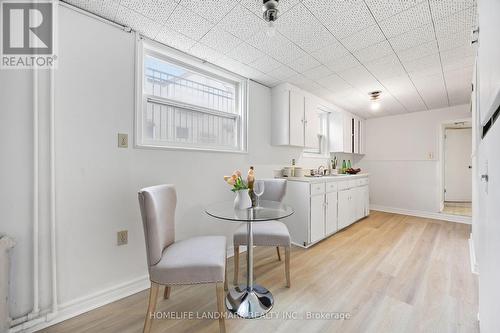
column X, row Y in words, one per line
column 250, row 300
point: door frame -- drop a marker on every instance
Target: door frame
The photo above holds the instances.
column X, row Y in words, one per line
column 442, row 131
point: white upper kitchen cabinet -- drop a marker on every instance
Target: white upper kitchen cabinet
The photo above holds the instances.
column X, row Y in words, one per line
column 346, row 133
column 312, row 122
column 295, row 117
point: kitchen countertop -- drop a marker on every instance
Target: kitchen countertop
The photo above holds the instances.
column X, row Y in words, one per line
column 325, row 178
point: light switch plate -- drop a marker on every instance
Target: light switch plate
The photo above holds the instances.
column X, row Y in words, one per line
column 122, row 237
column 122, row 140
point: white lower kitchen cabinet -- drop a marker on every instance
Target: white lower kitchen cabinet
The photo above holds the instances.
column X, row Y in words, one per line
column 324, row 206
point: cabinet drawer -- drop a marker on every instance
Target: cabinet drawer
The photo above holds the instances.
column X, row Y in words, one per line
column 318, row 188
column 331, row 187
column 363, row 181
column 343, row 185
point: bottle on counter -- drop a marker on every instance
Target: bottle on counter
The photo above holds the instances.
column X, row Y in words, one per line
column 349, row 164
column 293, row 168
column 344, row 167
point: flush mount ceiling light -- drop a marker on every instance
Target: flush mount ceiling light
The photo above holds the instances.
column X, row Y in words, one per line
column 270, row 14
column 374, row 98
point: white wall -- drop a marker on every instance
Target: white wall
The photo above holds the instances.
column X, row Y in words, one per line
column 402, row 157
column 97, row 183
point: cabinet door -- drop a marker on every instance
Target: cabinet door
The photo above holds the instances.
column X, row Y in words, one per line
column 312, row 123
column 296, row 118
column 344, row 209
column 361, row 134
column 366, row 198
column 358, row 201
column 348, row 134
column 317, row 226
column 331, row 213
column 356, row 136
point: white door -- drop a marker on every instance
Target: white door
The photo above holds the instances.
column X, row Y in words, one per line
column 366, row 198
column 356, row 136
column 296, row 118
column 458, row 164
column 312, row 124
column 344, row 209
column 359, row 203
column 317, row 218
column 331, row 213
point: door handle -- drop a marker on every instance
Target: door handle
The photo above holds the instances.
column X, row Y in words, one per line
column 485, row 178
column 470, row 166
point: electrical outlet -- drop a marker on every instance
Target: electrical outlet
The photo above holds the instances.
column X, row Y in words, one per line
column 122, row 140
column 122, row 237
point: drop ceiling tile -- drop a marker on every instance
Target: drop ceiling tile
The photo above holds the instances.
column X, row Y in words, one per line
column 245, row 53
column 458, row 53
column 242, row 23
column 334, row 83
column 255, row 6
column 460, row 39
column 220, row 40
column 413, row 38
column 342, row 18
column 205, row 52
column 342, row 63
column 266, row 80
column 304, row 63
column 383, row 9
column 457, row 64
column 433, row 91
column 105, row 8
column 265, row 64
column 419, row 51
column 157, row 10
column 317, row 73
column 301, row 27
column 360, row 78
column 374, row 52
column 282, row 73
column 424, row 63
column 363, row 38
column 407, row 20
column 232, row 65
column 443, row 8
column 330, row 53
column 212, row 10
column 386, row 67
column 137, row 21
column 276, row 46
column 461, row 22
column 188, row 23
column 175, row 39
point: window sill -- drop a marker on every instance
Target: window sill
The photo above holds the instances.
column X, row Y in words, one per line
column 190, row 149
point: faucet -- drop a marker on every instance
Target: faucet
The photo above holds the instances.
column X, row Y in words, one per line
column 322, row 172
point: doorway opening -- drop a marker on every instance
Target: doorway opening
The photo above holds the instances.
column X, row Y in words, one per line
column 457, row 168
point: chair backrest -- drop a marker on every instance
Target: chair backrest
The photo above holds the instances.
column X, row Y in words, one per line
column 274, row 189
column 158, row 218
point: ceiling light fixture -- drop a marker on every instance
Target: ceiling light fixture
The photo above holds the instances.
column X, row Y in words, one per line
column 374, row 98
column 270, row 15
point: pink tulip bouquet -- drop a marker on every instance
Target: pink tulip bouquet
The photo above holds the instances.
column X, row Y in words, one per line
column 237, row 182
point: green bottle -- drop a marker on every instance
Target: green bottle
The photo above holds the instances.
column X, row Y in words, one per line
column 343, row 166
column 348, row 164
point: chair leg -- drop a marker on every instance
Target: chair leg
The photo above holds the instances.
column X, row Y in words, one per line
column 278, row 252
column 220, row 307
column 166, row 293
column 153, row 295
column 287, row 265
column 236, row 264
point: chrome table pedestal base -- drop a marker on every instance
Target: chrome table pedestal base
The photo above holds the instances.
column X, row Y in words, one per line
column 249, row 303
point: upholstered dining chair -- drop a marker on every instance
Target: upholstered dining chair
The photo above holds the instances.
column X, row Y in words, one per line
column 269, row 233
column 192, row 261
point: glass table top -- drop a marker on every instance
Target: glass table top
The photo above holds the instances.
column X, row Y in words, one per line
column 267, row 210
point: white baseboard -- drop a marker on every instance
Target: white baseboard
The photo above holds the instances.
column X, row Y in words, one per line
column 473, row 261
column 85, row 304
column 428, row 215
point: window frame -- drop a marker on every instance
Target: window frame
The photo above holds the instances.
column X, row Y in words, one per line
column 145, row 48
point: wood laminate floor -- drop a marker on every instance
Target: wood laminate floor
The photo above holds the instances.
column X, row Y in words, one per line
column 458, row 208
column 391, row 273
